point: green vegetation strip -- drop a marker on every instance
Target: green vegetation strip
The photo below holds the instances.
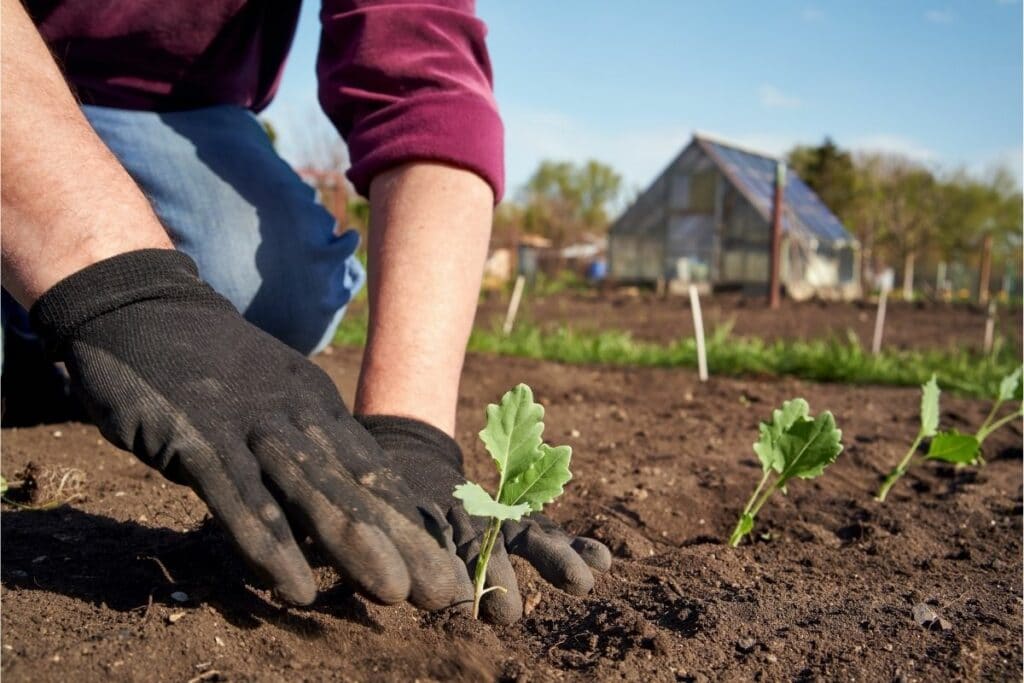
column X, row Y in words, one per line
column 832, row 360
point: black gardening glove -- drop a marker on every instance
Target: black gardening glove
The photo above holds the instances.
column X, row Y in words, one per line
column 169, row 370
column 430, row 462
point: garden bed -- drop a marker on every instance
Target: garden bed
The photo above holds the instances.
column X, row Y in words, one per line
column 921, row 325
column 663, row 464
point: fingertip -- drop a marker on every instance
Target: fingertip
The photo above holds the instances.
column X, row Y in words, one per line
column 576, row 578
column 297, row 591
column 502, row 609
column 555, row 560
column 380, row 573
column 434, row 594
column 596, row 554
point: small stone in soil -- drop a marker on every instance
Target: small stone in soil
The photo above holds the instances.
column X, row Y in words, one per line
column 179, row 596
column 746, row 645
column 928, row 618
column 175, row 617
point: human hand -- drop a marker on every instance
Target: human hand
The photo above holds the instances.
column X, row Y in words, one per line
column 169, row 370
column 430, row 463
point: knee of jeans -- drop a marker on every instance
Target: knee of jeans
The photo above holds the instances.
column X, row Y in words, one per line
column 303, row 307
column 304, row 328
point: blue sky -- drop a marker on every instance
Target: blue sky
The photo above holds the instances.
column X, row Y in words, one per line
column 627, row 83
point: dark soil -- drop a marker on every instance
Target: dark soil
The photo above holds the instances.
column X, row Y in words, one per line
column 650, row 318
column 825, row 592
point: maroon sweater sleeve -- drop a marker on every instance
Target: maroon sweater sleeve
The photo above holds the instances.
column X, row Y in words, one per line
column 410, row 80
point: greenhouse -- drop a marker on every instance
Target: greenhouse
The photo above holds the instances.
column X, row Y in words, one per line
column 707, row 219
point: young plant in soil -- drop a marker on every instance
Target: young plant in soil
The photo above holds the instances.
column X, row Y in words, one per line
column 952, row 446
column 792, row 445
column 532, row 473
column 1007, row 392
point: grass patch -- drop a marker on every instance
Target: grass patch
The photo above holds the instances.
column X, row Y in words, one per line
column 830, row 360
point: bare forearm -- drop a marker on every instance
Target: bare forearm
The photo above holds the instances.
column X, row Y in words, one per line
column 430, row 225
column 66, row 201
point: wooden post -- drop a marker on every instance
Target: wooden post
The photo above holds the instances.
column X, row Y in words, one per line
column 774, row 286
column 990, row 328
column 876, row 341
column 908, row 275
column 513, row 304
column 986, row 269
column 698, row 331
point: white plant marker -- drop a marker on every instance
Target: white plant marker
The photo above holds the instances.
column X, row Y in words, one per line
column 698, row 331
column 513, row 304
column 990, row 327
column 876, row 342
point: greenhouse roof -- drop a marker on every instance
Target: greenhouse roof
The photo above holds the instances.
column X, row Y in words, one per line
column 753, row 175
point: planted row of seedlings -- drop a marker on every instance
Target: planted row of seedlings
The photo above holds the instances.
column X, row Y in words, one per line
column 793, row 444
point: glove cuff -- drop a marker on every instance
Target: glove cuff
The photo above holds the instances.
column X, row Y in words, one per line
column 111, row 284
column 393, row 432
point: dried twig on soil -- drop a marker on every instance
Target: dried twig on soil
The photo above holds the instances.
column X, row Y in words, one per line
column 163, row 568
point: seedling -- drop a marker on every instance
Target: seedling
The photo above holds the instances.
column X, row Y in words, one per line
column 1007, row 391
column 531, row 472
column 951, row 446
column 792, row 445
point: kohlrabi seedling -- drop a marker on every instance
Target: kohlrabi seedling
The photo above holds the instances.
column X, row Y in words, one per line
column 532, row 473
column 792, row 445
column 952, row 446
column 1007, row 392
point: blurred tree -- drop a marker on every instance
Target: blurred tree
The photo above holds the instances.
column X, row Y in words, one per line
column 908, row 204
column 830, row 172
column 901, row 212
column 983, row 217
column 562, row 201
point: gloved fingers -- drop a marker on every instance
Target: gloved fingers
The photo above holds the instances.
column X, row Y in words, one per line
column 335, row 512
column 420, row 557
column 418, row 529
column 551, row 554
column 463, row 596
column 594, row 553
column 465, row 529
column 255, row 522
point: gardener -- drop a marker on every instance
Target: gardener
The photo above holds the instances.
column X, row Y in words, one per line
column 135, row 233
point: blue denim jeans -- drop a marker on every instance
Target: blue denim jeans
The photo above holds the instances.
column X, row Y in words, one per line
column 250, row 223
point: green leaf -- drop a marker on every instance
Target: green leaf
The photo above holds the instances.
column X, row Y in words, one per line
column 513, row 432
column 808, row 447
column 782, row 419
column 1008, row 385
column 542, row 481
column 480, row 504
column 954, row 447
column 930, row 407
column 3, row 485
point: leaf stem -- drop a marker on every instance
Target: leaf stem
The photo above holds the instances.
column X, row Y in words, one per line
column 987, row 429
column 991, row 416
column 899, row 470
column 737, row 535
column 764, row 497
column 750, row 503
column 486, row 546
